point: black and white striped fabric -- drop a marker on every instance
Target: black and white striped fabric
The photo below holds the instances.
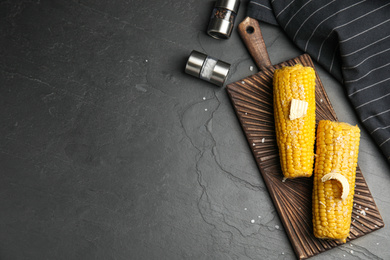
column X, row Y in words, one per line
column 349, row 38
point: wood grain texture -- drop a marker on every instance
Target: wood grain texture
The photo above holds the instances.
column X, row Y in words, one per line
column 250, row 33
column 252, row 101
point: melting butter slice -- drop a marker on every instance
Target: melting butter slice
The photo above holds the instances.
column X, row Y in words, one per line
column 333, row 175
column 298, row 109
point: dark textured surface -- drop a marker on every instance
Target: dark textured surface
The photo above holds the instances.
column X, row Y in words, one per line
column 109, row 151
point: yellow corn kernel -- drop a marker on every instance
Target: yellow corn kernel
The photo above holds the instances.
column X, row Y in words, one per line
column 295, row 138
column 337, row 152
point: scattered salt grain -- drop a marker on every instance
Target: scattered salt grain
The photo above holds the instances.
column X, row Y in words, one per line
column 146, row 60
column 243, row 82
column 277, row 226
column 321, row 100
column 205, row 109
column 284, row 179
column 351, row 251
column 377, row 243
column 204, row 98
column 254, row 144
column 366, row 209
column 246, row 113
column 259, row 216
column 245, row 209
column 252, row 221
column 363, row 212
column 251, row 68
column 262, row 140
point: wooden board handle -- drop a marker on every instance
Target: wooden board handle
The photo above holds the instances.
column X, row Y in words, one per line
column 250, row 33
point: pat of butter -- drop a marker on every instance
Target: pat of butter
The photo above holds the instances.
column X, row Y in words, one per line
column 298, row 109
column 333, row 175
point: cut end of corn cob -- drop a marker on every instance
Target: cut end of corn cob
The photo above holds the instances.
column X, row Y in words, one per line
column 341, row 179
column 298, row 109
column 294, row 112
column 336, row 162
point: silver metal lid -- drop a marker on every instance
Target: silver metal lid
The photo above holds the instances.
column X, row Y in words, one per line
column 195, row 63
column 220, row 73
column 232, row 5
column 220, row 28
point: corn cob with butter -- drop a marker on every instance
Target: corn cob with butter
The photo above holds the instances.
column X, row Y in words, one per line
column 334, row 179
column 294, row 112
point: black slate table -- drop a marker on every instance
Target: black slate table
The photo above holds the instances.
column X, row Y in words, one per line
column 108, row 150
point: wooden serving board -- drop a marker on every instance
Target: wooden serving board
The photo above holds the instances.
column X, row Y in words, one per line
column 252, row 100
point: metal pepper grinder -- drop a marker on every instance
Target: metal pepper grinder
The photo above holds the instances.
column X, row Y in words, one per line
column 222, row 19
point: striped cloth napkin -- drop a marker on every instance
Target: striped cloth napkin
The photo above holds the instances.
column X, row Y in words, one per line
column 350, row 39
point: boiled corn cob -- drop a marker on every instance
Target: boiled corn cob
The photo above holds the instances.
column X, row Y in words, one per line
column 334, row 179
column 294, row 112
